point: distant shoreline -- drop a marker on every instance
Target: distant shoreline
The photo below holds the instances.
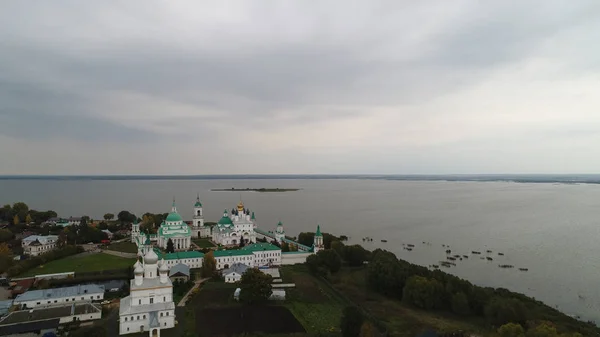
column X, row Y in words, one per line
column 262, row 190
column 514, row 178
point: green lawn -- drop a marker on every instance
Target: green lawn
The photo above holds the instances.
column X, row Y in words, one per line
column 203, row 243
column 125, row 247
column 86, row 263
column 313, row 304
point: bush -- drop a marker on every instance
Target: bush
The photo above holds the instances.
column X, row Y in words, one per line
column 511, row 330
column 423, row 292
column 505, row 310
column 351, row 322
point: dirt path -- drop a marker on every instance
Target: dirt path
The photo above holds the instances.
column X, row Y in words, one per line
column 196, row 285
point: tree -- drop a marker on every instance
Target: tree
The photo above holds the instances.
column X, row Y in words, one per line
column 330, row 259
column 242, row 243
column 423, row 292
column 511, row 330
column 209, row 265
column 338, row 246
column 86, row 218
column 351, row 321
column 460, row 304
column 355, row 255
column 255, row 286
column 21, row 209
column 170, row 246
column 542, row 330
column 505, row 310
column 109, row 216
column 125, row 216
column 285, row 247
column 16, row 220
column 6, row 259
column 28, row 219
column 6, row 235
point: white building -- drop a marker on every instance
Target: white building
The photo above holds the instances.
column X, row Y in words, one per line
column 35, row 245
column 254, row 255
column 60, row 296
column 231, row 229
column 149, row 306
column 234, row 273
column 192, row 259
column 279, row 232
column 175, row 229
column 198, row 228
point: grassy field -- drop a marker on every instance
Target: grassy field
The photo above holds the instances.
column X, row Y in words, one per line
column 81, row 263
column 317, row 308
column 203, row 243
column 125, row 247
column 401, row 320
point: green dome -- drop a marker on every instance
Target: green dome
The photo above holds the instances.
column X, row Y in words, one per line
column 173, row 217
column 225, row 220
column 198, row 204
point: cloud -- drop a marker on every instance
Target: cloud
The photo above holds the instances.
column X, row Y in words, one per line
column 348, row 87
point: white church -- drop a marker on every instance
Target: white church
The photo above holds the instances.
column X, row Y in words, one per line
column 232, row 228
column 149, row 306
column 174, row 228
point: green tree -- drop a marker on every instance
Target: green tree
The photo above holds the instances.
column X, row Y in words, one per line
column 16, row 220
column 351, row 321
column 355, row 255
column 542, row 330
column 505, row 310
column 255, row 286
column 460, row 304
column 170, row 246
column 423, row 292
column 21, row 209
column 209, row 265
column 6, row 258
column 126, row 217
column 285, row 247
column 338, row 246
column 6, row 235
column 511, row 330
column 109, row 216
column 330, row 259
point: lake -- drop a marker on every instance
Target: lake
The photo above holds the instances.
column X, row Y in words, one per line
column 550, row 228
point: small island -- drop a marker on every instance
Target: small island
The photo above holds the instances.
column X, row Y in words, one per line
column 255, row 189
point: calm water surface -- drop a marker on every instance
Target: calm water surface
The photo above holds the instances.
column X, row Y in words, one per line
column 552, row 229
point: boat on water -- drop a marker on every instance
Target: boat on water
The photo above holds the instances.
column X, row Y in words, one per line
column 383, row 240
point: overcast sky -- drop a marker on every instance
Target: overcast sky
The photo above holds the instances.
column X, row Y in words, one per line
column 235, row 87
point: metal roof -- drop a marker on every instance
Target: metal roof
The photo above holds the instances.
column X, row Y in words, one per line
column 180, row 268
column 238, row 268
column 78, row 290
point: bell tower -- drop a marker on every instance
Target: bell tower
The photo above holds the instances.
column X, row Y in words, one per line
column 198, row 220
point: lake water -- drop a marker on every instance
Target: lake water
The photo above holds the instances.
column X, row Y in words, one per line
column 552, row 229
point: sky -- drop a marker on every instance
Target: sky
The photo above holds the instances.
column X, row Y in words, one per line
column 299, row 87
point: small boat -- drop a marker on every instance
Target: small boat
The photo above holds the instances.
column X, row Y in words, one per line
column 489, row 258
column 523, row 269
column 501, row 254
column 383, row 240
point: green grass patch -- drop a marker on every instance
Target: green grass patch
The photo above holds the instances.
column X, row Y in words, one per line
column 401, row 320
column 203, row 243
column 81, row 264
column 124, row 247
column 314, row 305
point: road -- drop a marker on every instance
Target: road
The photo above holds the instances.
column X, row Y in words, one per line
column 196, row 285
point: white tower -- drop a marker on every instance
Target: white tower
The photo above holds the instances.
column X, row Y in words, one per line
column 150, row 264
column 198, row 220
column 279, row 232
column 163, row 271
column 135, row 230
column 318, row 241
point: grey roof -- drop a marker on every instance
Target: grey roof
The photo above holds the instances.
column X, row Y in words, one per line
column 4, row 306
column 239, row 268
column 180, row 268
column 78, row 290
column 43, row 239
column 125, row 308
column 15, row 329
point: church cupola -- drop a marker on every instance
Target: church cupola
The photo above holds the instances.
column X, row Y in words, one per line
column 138, row 273
column 279, row 232
column 318, row 241
column 198, row 207
column 163, row 271
column 150, row 264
